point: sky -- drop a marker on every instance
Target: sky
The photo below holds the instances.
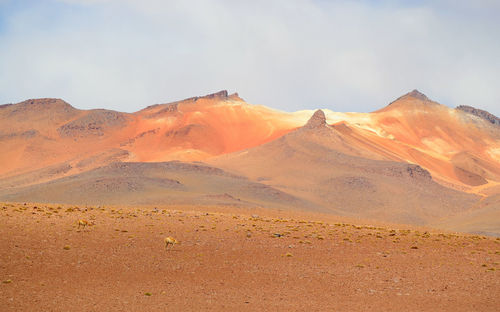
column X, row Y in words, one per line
column 286, row 54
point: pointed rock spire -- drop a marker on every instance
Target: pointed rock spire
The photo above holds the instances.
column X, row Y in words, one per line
column 317, row 120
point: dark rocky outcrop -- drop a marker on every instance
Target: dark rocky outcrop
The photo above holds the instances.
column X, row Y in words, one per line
column 406, row 171
column 169, row 108
column 15, row 135
column 480, row 113
column 415, row 171
column 223, row 94
column 40, row 105
column 94, row 123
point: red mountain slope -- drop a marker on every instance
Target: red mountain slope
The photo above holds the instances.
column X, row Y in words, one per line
column 401, row 149
column 50, row 133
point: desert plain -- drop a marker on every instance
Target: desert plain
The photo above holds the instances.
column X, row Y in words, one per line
column 231, row 258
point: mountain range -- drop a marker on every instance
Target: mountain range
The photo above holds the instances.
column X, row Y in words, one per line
column 414, row 161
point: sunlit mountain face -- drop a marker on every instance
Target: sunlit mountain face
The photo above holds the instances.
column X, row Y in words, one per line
column 413, row 161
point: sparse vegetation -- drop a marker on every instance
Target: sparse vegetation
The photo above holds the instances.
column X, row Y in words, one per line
column 329, row 247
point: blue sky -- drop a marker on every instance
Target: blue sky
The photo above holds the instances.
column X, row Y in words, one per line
column 286, row 54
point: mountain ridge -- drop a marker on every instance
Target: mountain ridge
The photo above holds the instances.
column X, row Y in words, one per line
column 480, row 113
column 412, row 153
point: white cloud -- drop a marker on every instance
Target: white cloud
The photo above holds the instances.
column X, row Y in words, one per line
column 288, row 54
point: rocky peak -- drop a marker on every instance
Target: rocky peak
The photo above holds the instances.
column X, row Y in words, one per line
column 417, row 95
column 317, row 120
column 221, row 95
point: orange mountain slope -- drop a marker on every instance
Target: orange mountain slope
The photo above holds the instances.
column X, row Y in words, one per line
column 48, row 138
column 460, row 149
column 52, row 139
column 318, row 163
column 201, row 127
column 414, row 161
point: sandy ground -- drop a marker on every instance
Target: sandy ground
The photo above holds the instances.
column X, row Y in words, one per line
column 232, row 260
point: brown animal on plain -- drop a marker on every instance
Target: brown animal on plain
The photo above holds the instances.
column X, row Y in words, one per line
column 170, row 241
column 83, row 223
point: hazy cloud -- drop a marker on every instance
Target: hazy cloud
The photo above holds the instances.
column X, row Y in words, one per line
column 287, row 54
